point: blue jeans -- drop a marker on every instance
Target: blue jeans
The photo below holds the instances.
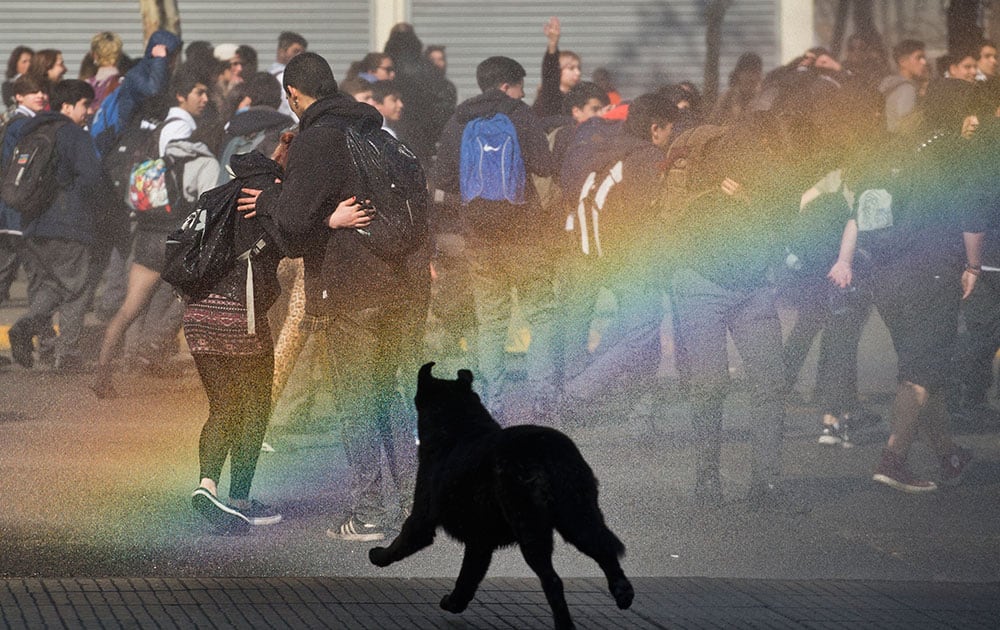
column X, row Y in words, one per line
column 629, row 350
column 367, row 350
column 706, row 312
column 496, row 272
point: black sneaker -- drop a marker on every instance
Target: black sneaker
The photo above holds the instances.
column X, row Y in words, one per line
column 223, row 517
column 356, row 530
column 836, row 435
column 21, row 346
column 258, row 513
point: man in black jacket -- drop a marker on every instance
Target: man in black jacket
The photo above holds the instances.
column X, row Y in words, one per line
column 509, row 245
column 372, row 308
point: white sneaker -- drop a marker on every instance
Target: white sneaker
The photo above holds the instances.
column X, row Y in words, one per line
column 357, row 531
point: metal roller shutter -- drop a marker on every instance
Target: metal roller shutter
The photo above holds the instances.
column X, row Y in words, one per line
column 336, row 29
column 644, row 43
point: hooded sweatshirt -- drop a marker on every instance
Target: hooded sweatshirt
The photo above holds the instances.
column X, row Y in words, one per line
column 147, row 78
column 341, row 274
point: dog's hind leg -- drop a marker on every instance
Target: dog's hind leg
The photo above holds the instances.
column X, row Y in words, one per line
column 593, row 538
column 537, row 551
column 474, row 566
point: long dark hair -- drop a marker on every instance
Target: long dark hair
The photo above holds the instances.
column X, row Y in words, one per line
column 15, row 56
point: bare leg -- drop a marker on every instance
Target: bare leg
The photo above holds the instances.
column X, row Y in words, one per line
column 141, row 285
column 910, row 402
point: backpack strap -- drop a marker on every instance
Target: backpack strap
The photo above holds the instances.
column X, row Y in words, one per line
column 248, row 256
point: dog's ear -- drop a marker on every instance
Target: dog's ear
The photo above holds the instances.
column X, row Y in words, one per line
column 424, row 376
column 465, row 376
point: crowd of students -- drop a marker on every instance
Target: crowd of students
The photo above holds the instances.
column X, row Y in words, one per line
column 843, row 181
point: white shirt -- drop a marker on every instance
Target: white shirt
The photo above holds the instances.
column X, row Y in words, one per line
column 277, row 70
column 179, row 129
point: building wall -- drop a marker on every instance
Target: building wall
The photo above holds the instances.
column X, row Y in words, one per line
column 336, row 29
column 645, row 43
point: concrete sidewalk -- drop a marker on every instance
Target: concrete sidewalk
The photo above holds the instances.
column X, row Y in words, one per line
column 500, row 603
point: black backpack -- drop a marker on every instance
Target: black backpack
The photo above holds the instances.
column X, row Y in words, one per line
column 391, row 176
column 202, row 252
column 145, row 182
column 29, row 180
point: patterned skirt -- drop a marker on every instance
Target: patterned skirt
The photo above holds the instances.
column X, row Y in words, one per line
column 218, row 325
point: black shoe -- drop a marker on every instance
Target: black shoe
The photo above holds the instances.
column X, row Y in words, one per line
column 256, row 512
column 21, row 346
column 225, row 518
column 836, row 434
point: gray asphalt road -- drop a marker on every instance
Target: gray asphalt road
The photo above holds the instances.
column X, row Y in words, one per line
column 102, row 488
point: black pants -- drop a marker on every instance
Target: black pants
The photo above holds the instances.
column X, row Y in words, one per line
column 978, row 345
column 239, row 406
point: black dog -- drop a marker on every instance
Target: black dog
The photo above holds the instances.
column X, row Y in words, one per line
column 490, row 487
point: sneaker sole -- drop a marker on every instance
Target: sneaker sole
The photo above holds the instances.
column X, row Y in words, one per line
column 830, row 440
column 336, row 535
column 903, row 487
column 258, row 521
column 218, row 513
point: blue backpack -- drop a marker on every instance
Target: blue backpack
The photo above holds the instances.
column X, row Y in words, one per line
column 490, row 164
column 104, row 129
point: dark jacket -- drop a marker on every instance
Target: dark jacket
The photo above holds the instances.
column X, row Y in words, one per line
column 341, row 274
column 429, row 98
column 549, row 101
column 534, row 150
column 531, row 137
column 253, row 170
column 10, row 219
column 78, row 174
column 146, row 78
column 937, row 194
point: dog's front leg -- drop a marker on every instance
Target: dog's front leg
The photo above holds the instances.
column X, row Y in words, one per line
column 474, row 566
column 414, row 536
